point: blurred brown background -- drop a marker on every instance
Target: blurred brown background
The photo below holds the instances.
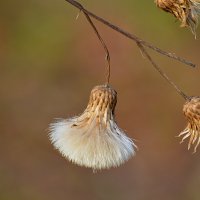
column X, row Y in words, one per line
column 50, row 62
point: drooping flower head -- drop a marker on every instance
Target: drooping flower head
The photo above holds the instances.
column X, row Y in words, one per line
column 191, row 110
column 94, row 139
column 186, row 11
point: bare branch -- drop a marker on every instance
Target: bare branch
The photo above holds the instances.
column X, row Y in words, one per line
column 129, row 35
column 140, row 43
column 161, row 72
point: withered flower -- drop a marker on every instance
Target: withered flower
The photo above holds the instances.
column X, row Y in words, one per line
column 93, row 139
column 186, row 11
column 191, row 110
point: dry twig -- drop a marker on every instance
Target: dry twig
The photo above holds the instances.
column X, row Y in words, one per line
column 141, row 44
column 129, row 35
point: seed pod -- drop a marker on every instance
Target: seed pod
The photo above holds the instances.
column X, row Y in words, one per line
column 186, row 11
column 191, row 110
column 93, row 139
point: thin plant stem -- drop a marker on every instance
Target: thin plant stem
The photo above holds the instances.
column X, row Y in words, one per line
column 104, row 46
column 129, row 35
column 161, row 72
column 140, row 43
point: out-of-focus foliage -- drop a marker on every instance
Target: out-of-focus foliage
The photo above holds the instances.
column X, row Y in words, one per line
column 49, row 63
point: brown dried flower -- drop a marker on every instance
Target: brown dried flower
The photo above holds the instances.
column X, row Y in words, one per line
column 184, row 10
column 93, row 139
column 191, row 110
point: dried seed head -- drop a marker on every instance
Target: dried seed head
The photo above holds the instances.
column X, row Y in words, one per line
column 93, row 139
column 191, row 110
column 186, row 11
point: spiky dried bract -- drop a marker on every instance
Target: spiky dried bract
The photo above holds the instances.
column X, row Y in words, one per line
column 191, row 110
column 93, row 139
column 186, row 11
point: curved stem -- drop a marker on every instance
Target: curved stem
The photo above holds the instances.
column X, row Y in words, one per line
column 129, row 35
column 99, row 37
column 104, row 46
column 140, row 44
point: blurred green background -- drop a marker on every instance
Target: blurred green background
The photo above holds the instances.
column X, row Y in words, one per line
column 49, row 63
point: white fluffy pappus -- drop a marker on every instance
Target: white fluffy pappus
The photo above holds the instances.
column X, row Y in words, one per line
column 93, row 139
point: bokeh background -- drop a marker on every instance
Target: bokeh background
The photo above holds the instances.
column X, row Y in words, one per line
column 49, row 63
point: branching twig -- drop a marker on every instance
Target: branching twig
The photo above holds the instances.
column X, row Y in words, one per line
column 129, row 35
column 161, row 72
column 140, row 43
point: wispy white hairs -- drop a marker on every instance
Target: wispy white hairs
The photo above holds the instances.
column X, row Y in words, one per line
column 94, row 139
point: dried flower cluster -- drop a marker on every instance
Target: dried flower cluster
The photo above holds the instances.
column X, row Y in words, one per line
column 186, row 11
column 191, row 110
column 93, row 139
